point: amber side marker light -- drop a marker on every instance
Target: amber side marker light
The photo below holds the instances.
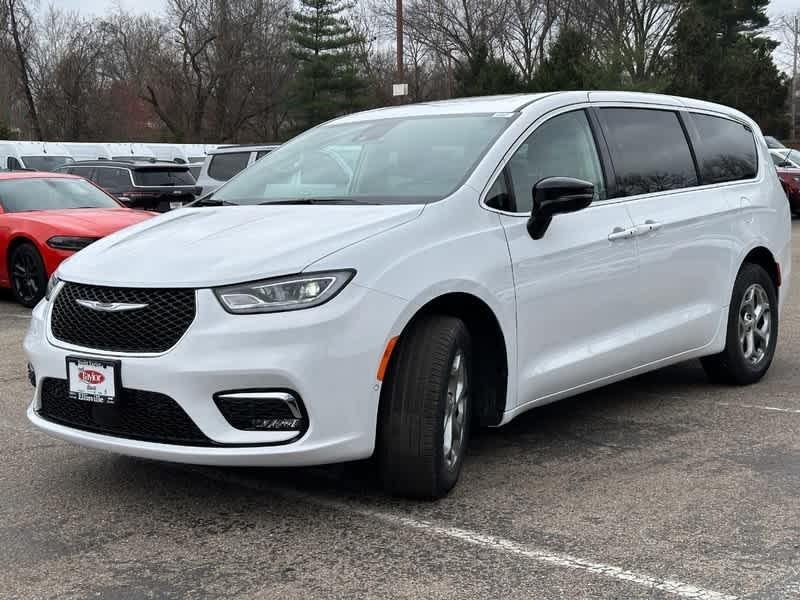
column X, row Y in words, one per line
column 387, row 354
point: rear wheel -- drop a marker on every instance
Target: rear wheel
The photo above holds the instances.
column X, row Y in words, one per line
column 752, row 330
column 27, row 274
column 426, row 408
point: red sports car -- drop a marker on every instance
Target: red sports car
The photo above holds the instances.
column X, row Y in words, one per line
column 47, row 217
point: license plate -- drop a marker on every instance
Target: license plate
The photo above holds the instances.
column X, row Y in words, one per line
column 92, row 380
column 174, row 205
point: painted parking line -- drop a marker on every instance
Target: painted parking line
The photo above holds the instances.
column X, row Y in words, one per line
column 792, row 411
column 489, row 542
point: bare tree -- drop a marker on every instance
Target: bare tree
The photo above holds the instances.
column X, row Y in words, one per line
column 20, row 26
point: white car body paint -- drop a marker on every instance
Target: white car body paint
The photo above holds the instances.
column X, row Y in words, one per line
column 576, row 310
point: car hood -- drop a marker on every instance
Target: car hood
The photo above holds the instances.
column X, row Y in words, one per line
column 203, row 247
column 90, row 222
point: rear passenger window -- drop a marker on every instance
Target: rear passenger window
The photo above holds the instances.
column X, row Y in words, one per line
column 225, row 166
column 727, row 150
column 649, row 150
column 14, row 164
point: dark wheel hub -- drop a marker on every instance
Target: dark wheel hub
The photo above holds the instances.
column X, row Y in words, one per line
column 25, row 275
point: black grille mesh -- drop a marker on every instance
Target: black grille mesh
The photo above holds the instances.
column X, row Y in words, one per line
column 156, row 328
column 140, row 415
column 240, row 413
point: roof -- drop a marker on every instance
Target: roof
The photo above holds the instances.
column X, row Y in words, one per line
column 512, row 103
column 228, row 149
column 130, row 164
column 7, row 175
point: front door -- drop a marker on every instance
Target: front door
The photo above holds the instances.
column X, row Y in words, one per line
column 575, row 288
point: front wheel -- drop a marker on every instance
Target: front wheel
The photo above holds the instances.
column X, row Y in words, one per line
column 27, row 274
column 426, row 408
column 752, row 330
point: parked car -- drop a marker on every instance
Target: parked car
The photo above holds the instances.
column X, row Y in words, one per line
column 223, row 162
column 131, row 151
column 772, row 142
column 461, row 275
column 786, row 157
column 790, row 180
column 45, row 218
column 152, row 186
column 173, row 153
column 88, row 151
column 195, row 153
column 36, row 156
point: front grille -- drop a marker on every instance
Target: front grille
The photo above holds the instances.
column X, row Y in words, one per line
column 154, row 328
column 138, row 414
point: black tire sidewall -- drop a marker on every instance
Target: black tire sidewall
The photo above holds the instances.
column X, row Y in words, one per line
column 448, row 476
column 743, row 371
column 27, row 248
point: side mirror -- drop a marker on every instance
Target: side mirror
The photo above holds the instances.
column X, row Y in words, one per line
column 557, row 195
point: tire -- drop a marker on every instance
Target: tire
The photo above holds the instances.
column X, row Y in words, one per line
column 27, row 275
column 733, row 365
column 413, row 459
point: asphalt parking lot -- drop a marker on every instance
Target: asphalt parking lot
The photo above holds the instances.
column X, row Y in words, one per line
column 660, row 487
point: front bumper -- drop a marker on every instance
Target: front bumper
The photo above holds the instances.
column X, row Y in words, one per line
column 328, row 354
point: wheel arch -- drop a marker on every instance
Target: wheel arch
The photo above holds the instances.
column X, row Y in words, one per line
column 13, row 243
column 491, row 360
column 762, row 256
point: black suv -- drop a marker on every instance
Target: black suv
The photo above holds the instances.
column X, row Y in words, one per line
column 138, row 184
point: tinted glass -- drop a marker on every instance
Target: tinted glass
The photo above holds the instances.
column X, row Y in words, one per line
column 649, row 150
column 225, row 166
column 112, row 179
column 162, row 177
column 727, row 150
column 46, row 163
column 80, row 171
column 400, row 160
column 196, row 159
column 561, row 147
column 134, row 158
column 195, row 171
column 14, row 164
column 262, row 153
column 18, row 195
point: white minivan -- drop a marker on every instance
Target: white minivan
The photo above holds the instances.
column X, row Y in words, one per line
column 466, row 261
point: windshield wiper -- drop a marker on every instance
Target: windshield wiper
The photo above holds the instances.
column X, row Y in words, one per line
column 316, row 201
column 212, row 202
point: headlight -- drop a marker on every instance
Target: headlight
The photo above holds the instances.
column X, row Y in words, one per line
column 283, row 293
column 65, row 242
column 51, row 287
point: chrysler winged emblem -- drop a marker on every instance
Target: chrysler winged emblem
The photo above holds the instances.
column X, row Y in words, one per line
column 109, row 306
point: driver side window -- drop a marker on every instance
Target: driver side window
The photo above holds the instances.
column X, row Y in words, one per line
column 561, row 147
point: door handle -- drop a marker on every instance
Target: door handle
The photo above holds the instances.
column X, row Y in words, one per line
column 652, row 225
column 619, row 233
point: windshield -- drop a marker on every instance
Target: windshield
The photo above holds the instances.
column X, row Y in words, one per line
column 401, row 160
column 19, row 195
column 46, row 162
column 161, row 177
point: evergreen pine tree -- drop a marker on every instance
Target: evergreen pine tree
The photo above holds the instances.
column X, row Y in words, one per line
column 329, row 82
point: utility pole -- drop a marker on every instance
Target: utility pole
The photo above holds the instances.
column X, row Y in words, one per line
column 400, row 88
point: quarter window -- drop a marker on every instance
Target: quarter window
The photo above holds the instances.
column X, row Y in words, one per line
column 727, row 150
column 649, row 150
column 561, row 147
column 13, row 164
column 112, row 179
column 225, row 166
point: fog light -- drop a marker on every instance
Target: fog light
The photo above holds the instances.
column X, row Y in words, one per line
column 31, row 375
column 262, row 410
